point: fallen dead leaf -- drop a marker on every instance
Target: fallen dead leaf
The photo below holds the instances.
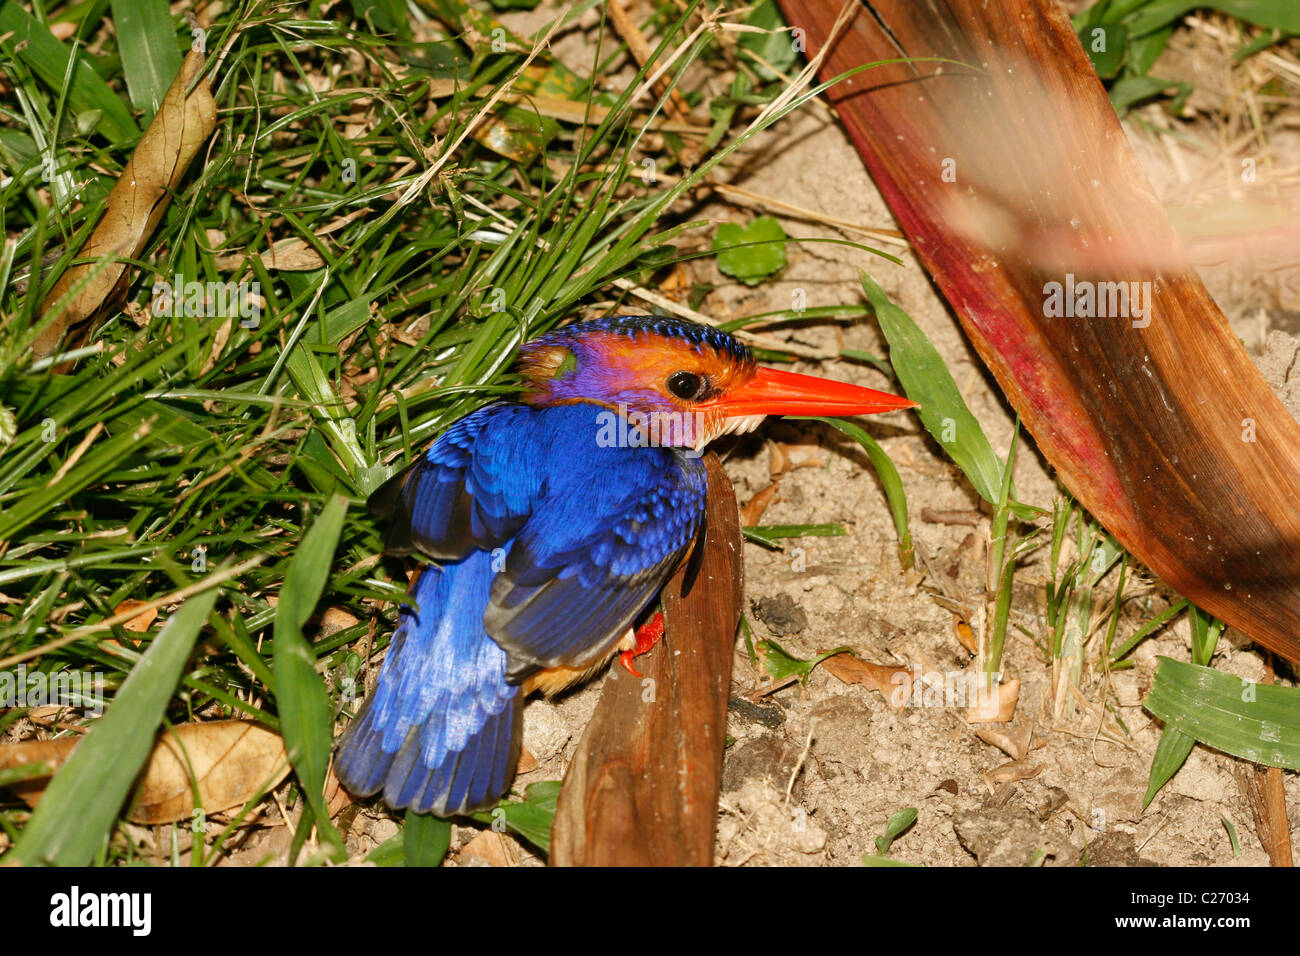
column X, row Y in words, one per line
column 231, row 761
column 969, row 516
column 752, row 513
column 135, row 205
column 678, row 283
column 996, row 705
column 218, row 345
column 965, row 636
column 489, row 847
column 286, row 255
column 44, row 715
column 140, row 623
column 527, row 762
column 802, row 456
column 336, row 798
column 776, row 465
column 1014, row 743
column 336, row 619
column 893, row 683
column 1010, row 773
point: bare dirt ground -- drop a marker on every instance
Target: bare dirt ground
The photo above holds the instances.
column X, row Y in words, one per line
column 815, row 771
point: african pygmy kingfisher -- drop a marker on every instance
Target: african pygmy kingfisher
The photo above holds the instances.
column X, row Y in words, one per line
column 552, row 522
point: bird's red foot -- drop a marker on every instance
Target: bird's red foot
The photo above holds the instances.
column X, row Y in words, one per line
column 647, row 636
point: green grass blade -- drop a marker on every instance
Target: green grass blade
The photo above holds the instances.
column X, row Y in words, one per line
column 1149, row 628
column 768, row 534
column 926, row 379
column 530, row 817
column 1274, row 14
column 871, row 859
column 74, row 817
column 1205, row 635
column 889, row 480
column 146, row 37
column 48, row 59
column 1171, row 754
column 92, row 467
column 1257, row 722
column 389, row 853
column 306, row 719
column 1232, row 837
column 425, row 839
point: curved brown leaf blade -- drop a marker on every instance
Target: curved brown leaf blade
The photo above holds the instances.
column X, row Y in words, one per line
column 135, row 205
column 231, row 761
column 140, row 623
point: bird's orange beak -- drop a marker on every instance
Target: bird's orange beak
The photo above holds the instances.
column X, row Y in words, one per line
column 775, row 392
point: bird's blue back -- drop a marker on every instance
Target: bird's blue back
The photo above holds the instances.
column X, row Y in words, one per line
column 550, row 543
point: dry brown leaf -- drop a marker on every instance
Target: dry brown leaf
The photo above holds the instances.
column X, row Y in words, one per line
column 336, row 798
column 50, row 753
column 893, row 683
column 1014, row 743
column 45, row 715
column 1011, row 772
column 286, row 255
column 996, row 705
column 802, row 456
column 218, row 346
column 336, row 619
column 527, row 762
column 231, row 761
column 777, row 465
column 752, row 513
column 487, row 847
column 965, row 636
column 334, row 225
column 678, row 283
column 136, row 203
column 140, row 623
column 967, row 516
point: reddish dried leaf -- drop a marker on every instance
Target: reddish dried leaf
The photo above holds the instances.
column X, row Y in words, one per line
column 140, row 623
column 893, row 683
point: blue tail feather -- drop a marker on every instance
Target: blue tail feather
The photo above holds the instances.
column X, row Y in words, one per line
column 440, row 734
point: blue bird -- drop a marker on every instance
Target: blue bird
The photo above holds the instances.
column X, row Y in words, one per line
column 553, row 523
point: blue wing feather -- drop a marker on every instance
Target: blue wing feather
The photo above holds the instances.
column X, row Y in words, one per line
column 551, row 545
column 612, row 526
column 472, row 490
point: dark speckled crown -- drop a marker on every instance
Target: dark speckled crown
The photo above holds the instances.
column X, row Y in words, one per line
column 663, row 325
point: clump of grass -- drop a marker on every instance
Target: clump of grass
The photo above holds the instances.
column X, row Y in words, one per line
column 949, row 421
column 186, row 460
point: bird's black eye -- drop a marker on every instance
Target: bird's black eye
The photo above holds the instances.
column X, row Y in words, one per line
column 685, row 385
